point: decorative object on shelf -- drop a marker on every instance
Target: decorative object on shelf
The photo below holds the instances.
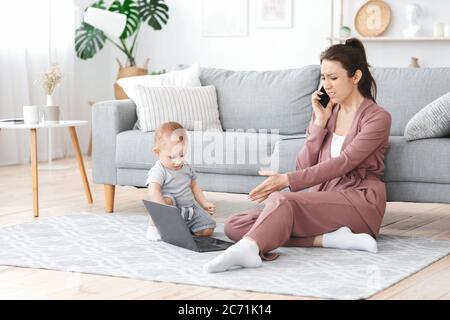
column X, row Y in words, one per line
column 274, row 14
column 345, row 32
column 447, row 31
column 414, row 63
column 373, row 18
column 225, row 18
column 117, row 25
column 413, row 12
column 438, row 29
column 335, row 38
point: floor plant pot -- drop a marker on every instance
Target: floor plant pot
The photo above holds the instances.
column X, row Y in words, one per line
column 125, row 72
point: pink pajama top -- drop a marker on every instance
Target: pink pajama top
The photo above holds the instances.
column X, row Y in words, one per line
column 357, row 172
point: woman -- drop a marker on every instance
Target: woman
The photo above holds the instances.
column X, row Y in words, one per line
column 342, row 163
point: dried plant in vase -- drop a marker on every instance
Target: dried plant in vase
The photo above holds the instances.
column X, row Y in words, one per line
column 49, row 81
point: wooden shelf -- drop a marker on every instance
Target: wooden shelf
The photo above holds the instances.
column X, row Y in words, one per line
column 334, row 37
column 392, row 39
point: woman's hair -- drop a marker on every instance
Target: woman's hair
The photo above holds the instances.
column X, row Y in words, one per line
column 352, row 56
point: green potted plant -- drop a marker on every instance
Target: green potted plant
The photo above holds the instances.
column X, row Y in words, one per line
column 89, row 39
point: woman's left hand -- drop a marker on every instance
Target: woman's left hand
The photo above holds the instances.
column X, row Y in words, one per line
column 275, row 182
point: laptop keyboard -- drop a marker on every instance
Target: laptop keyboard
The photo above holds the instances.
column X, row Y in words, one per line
column 206, row 242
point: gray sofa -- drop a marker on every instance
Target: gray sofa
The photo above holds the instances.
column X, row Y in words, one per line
column 264, row 115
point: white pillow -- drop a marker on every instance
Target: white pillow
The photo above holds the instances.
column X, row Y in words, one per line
column 433, row 121
column 192, row 107
column 181, row 78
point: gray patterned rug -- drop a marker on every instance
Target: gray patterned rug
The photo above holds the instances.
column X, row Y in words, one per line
column 114, row 245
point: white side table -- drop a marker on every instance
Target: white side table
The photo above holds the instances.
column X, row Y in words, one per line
column 34, row 160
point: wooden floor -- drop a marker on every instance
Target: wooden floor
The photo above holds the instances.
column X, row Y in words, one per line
column 61, row 191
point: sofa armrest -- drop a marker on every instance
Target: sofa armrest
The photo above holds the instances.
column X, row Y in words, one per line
column 109, row 118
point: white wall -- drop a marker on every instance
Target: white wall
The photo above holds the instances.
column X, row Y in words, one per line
column 181, row 40
column 95, row 77
column 94, row 80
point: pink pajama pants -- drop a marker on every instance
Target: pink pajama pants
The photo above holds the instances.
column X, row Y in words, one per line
column 294, row 219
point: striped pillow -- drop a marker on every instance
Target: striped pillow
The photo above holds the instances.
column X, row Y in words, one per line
column 192, row 107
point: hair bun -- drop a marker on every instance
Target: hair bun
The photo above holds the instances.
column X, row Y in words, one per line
column 354, row 42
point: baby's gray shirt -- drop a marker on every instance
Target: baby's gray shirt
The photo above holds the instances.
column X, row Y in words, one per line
column 174, row 182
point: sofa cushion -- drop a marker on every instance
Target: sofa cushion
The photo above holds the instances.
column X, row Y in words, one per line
column 188, row 77
column 210, row 152
column 404, row 91
column 192, row 107
column 433, row 121
column 264, row 99
column 418, row 161
column 405, row 161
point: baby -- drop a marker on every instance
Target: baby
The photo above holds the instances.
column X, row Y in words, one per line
column 171, row 181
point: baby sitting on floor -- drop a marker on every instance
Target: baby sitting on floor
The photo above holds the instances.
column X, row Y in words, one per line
column 171, row 181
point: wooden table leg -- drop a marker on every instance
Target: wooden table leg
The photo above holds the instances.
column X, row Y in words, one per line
column 34, row 171
column 89, row 152
column 76, row 147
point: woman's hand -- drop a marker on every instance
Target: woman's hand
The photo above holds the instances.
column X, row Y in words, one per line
column 275, row 182
column 322, row 114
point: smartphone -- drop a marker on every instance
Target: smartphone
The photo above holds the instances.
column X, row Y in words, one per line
column 324, row 98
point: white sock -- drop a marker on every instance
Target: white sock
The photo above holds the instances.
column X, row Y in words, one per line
column 344, row 238
column 245, row 253
column 152, row 233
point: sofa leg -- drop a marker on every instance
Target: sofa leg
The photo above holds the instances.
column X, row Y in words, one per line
column 109, row 198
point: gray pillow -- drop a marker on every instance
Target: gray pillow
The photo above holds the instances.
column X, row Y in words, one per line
column 433, row 121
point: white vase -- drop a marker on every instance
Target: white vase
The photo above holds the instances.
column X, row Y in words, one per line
column 50, row 101
column 439, row 29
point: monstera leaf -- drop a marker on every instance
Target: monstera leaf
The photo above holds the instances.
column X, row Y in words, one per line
column 99, row 5
column 88, row 41
column 154, row 12
column 130, row 9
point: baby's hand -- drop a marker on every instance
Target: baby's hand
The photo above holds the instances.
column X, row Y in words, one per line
column 210, row 207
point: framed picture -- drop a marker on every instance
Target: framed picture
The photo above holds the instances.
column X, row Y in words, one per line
column 225, row 18
column 274, row 14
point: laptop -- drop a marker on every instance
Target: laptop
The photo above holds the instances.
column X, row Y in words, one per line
column 173, row 229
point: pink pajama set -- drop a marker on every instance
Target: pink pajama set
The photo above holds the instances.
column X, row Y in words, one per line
column 344, row 191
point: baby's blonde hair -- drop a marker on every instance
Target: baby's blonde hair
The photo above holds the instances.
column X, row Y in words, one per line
column 166, row 130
